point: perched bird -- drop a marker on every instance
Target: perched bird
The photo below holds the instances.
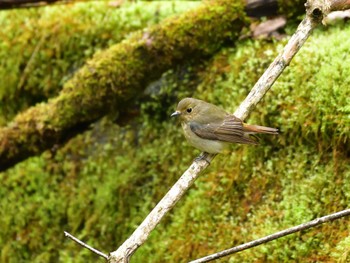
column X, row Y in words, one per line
column 211, row 129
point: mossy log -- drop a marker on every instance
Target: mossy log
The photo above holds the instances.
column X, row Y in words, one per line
column 8, row 4
column 118, row 74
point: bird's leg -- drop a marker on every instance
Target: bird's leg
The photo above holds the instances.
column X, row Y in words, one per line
column 203, row 156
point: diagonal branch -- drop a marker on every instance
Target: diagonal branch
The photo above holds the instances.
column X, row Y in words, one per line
column 141, row 234
column 276, row 68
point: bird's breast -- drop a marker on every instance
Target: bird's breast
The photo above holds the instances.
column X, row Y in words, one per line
column 205, row 145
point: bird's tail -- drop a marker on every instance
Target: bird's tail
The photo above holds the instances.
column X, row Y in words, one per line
column 251, row 129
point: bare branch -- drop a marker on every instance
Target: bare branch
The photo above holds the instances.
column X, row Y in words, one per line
column 141, row 234
column 336, row 16
column 85, row 245
column 124, row 252
column 276, row 68
column 313, row 223
column 321, row 8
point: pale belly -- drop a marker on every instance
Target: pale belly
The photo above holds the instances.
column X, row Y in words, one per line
column 209, row 146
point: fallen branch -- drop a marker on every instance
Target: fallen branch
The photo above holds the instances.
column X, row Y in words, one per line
column 313, row 223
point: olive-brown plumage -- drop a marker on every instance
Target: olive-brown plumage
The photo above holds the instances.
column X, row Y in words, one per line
column 211, row 129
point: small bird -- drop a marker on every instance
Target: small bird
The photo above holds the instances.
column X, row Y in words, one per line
column 211, row 129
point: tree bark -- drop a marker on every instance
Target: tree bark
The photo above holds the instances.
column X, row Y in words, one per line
column 10, row 4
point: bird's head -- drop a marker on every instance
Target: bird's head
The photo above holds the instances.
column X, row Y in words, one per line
column 187, row 109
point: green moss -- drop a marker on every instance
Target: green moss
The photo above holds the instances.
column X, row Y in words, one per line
column 102, row 183
column 341, row 251
column 40, row 49
column 113, row 77
column 291, row 9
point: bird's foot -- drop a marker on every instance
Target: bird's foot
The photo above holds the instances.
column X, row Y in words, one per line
column 203, row 156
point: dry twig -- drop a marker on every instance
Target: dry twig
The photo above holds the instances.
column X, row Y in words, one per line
column 85, row 245
column 313, row 223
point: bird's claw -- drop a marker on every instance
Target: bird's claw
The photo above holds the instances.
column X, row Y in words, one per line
column 203, row 156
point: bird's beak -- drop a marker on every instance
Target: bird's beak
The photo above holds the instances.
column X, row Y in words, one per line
column 176, row 113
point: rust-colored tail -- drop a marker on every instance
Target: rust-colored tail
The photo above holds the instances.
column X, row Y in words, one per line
column 247, row 128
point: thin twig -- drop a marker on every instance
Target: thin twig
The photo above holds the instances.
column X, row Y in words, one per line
column 85, row 245
column 313, row 223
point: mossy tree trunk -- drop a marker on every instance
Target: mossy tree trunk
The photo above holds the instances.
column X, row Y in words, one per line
column 114, row 77
column 8, row 4
column 118, row 74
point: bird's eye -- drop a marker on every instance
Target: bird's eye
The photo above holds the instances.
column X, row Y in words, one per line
column 189, row 110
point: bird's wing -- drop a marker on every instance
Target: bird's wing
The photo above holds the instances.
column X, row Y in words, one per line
column 228, row 130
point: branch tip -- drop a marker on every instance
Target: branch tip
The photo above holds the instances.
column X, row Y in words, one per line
column 66, row 234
